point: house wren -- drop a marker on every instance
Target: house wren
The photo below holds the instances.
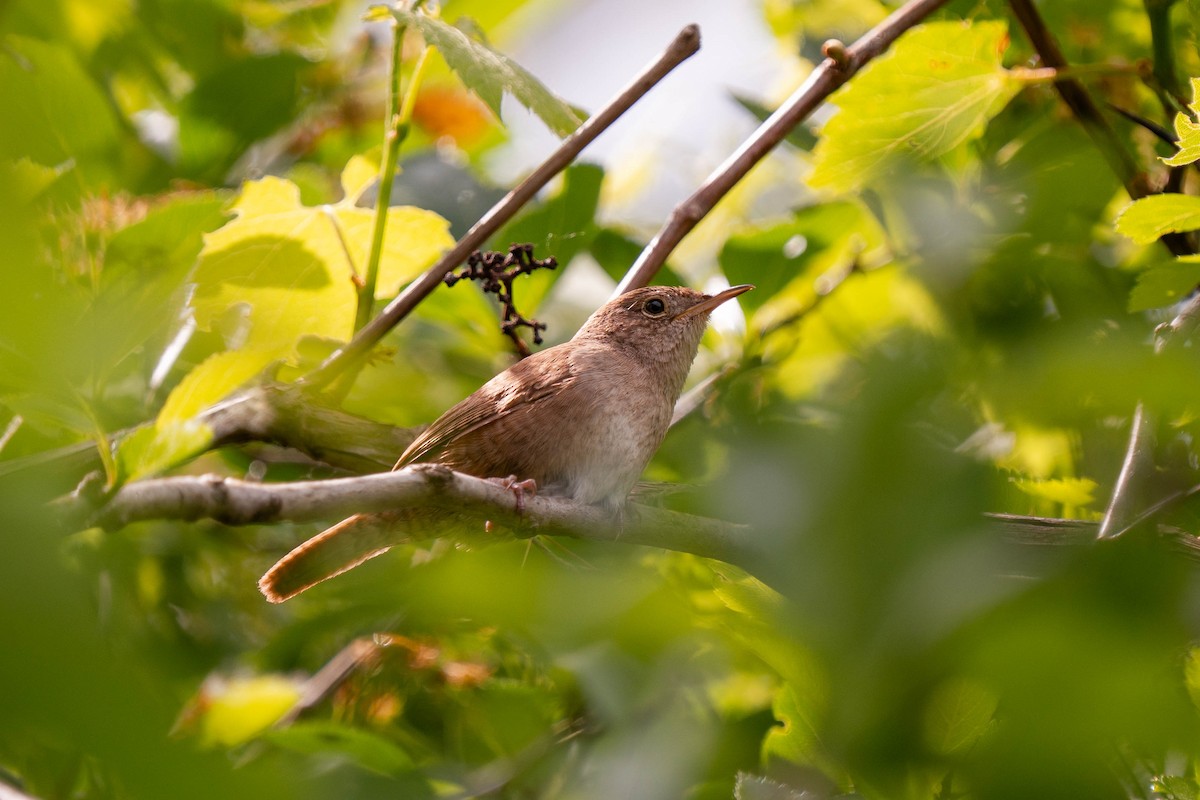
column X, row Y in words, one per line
column 581, row 419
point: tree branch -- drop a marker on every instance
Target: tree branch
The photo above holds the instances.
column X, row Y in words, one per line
column 840, row 65
column 1076, row 96
column 685, row 45
column 237, row 502
column 291, row 417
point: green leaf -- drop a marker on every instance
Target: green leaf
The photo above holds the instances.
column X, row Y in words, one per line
column 62, row 113
column 1165, row 285
column 795, row 738
column 958, row 713
column 1147, row 219
column 936, row 89
column 490, row 74
column 151, row 450
column 564, row 224
column 210, row 381
column 25, row 179
column 292, row 266
column 368, row 750
column 1187, row 132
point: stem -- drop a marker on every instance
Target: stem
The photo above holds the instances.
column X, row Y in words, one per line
column 684, row 45
column 396, row 128
column 840, row 65
column 1079, row 101
column 1165, row 71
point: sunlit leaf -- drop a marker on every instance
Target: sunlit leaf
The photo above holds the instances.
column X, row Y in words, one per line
column 1187, row 132
column 936, row 89
column 292, row 266
column 795, row 738
column 210, row 381
column 1147, row 219
column 490, row 74
column 1067, row 491
column 237, row 710
column 155, row 448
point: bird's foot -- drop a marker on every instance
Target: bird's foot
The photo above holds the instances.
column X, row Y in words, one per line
column 519, row 489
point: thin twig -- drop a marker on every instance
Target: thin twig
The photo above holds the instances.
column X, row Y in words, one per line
column 840, row 65
column 685, row 45
column 1076, row 96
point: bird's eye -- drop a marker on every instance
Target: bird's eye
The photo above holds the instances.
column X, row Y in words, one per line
column 654, row 307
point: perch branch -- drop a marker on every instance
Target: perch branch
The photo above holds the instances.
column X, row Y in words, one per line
column 237, row 502
column 840, row 64
column 685, row 45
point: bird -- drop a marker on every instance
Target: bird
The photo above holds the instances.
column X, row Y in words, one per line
column 579, row 420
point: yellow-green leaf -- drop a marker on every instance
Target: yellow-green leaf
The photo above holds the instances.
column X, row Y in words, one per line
column 153, row 449
column 360, row 171
column 1187, row 132
column 1068, row 491
column 1149, row 218
column 292, row 266
column 936, row 89
column 210, row 381
column 239, row 709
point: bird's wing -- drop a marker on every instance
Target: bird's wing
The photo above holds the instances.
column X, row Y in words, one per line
column 538, row 377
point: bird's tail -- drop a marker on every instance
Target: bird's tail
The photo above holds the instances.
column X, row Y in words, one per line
column 331, row 552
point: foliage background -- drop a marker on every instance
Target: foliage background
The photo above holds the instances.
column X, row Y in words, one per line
column 947, row 323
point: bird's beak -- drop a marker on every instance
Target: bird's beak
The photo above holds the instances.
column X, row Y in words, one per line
column 709, row 303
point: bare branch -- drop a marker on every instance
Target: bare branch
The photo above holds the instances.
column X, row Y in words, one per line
column 237, row 502
column 839, row 66
column 685, row 45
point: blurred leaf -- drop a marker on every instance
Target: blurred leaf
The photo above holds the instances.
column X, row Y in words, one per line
column 490, row 74
column 150, row 450
column 210, row 381
column 958, row 713
column 821, row 240
column 63, row 114
column 25, row 179
column 936, row 88
column 1147, row 219
column 795, row 738
column 564, row 224
column 1071, row 492
column 237, row 104
column 1175, row 787
column 292, row 265
column 145, row 269
column 362, row 747
column 1187, row 132
column 801, row 137
column 236, row 710
column 1165, row 285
